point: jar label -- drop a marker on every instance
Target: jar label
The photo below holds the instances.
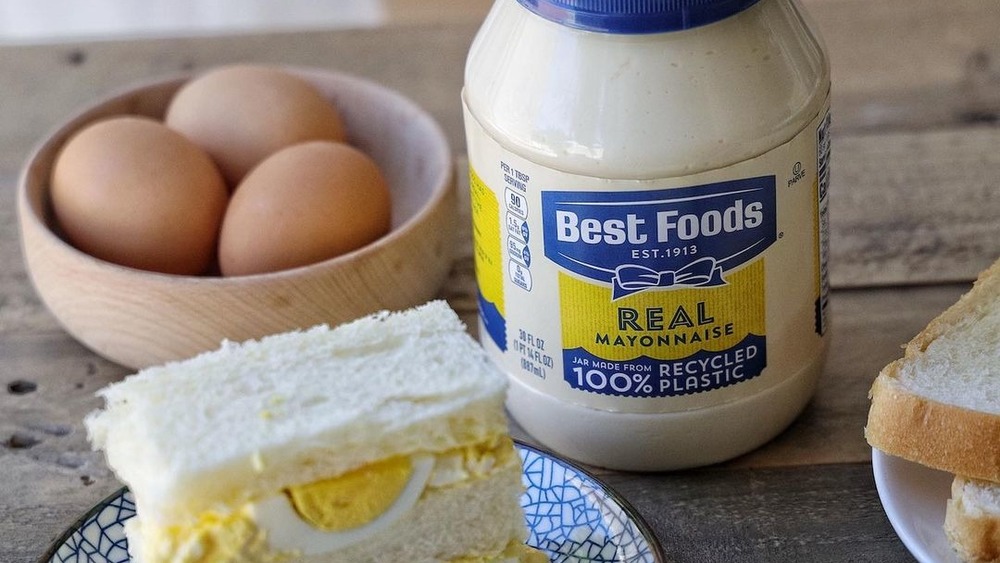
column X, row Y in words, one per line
column 652, row 295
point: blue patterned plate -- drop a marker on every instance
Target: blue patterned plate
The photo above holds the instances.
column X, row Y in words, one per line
column 571, row 516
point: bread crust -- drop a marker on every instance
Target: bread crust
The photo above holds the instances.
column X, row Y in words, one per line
column 974, row 534
column 938, row 435
column 935, row 434
column 987, row 282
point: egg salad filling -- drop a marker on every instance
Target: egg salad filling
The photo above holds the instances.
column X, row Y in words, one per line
column 330, row 514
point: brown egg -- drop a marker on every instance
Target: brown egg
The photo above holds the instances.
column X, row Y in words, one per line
column 243, row 114
column 304, row 204
column 131, row 191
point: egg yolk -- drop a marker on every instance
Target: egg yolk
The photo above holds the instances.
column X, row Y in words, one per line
column 352, row 499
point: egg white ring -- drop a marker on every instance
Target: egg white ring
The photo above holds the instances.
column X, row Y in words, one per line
column 286, row 531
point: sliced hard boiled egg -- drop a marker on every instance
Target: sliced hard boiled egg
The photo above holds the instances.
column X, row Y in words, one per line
column 336, row 513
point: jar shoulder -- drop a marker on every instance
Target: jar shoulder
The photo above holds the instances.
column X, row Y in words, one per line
column 646, row 105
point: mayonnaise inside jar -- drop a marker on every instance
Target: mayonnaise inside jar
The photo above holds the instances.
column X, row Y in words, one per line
column 650, row 217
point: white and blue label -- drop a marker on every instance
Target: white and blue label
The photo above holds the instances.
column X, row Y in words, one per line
column 661, row 239
column 656, row 295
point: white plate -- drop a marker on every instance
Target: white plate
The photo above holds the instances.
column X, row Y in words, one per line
column 914, row 499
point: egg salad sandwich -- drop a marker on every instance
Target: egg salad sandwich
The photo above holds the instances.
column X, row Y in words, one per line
column 383, row 439
column 939, row 406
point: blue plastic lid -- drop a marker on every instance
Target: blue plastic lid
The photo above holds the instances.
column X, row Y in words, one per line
column 635, row 16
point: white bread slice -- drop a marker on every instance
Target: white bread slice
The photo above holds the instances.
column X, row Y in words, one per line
column 246, row 421
column 972, row 520
column 939, row 405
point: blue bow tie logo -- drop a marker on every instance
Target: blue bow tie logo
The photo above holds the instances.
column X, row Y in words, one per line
column 631, row 278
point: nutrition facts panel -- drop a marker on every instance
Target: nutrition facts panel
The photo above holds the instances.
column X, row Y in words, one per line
column 518, row 233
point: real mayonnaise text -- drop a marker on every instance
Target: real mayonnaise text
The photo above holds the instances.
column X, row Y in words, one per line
column 650, row 214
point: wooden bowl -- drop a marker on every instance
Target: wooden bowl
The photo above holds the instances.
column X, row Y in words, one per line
column 140, row 318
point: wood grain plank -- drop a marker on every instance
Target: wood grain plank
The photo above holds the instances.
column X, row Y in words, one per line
column 816, row 514
column 50, row 474
column 896, row 64
column 912, row 207
column 908, row 64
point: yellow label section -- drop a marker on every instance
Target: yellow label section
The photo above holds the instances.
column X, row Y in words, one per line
column 486, row 241
column 663, row 325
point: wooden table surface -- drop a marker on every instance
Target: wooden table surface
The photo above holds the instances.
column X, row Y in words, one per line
column 916, row 169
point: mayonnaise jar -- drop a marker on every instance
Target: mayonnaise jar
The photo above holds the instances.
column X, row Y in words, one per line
column 650, row 216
